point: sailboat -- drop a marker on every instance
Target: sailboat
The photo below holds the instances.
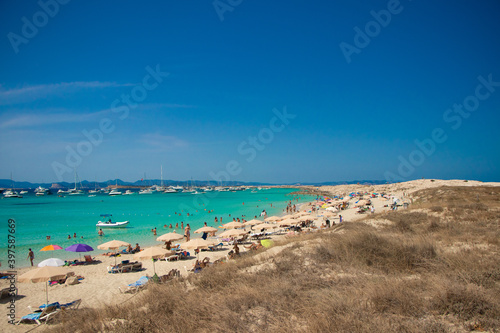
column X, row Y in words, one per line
column 115, row 191
column 75, row 191
column 94, row 191
column 11, row 193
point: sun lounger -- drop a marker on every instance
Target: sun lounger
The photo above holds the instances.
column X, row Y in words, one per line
column 136, row 286
column 216, row 247
column 125, row 267
column 42, row 316
column 183, row 254
column 71, row 305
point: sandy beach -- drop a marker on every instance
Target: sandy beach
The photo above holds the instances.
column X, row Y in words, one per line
column 100, row 288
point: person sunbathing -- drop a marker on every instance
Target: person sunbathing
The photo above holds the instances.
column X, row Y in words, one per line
column 254, row 246
column 137, row 248
column 197, row 266
column 205, row 262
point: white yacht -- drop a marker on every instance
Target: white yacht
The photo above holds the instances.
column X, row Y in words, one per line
column 115, row 192
column 11, row 194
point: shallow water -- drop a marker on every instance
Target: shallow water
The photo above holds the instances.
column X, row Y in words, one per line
column 38, row 217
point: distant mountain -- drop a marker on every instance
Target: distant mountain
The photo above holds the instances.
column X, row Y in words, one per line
column 7, row 183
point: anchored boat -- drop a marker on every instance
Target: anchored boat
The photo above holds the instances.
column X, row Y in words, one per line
column 107, row 223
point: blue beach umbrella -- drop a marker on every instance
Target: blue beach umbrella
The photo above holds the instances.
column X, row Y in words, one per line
column 79, row 248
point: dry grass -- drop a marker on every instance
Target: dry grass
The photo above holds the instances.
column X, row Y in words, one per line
column 436, row 268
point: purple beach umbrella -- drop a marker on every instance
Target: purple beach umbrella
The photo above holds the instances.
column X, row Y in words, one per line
column 79, row 248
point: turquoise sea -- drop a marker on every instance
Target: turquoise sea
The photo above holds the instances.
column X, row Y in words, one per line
column 37, row 217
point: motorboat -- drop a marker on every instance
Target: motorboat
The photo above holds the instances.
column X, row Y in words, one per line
column 74, row 191
column 115, row 192
column 11, row 194
column 39, row 191
column 146, row 191
column 107, row 223
column 128, row 192
column 23, row 192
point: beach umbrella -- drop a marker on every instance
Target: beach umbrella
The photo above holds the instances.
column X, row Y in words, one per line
column 54, row 262
column 301, row 214
column 198, row 243
column 79, row 248
column 112, row 245
column 233, row 225
column 287, row 222
column 233, row 233
column 264, row 226
column 326, row 213
column 51, row 248
column 205, row 229
column 273, row 219
column 171, row 236
column 252, row 222
column 287, row 217
column 331, row 209
column 44, row 274
column 152, row 253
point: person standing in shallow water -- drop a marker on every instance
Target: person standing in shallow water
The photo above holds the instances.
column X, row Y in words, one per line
column 31, row 256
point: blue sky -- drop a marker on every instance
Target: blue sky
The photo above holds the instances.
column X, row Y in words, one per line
column 355, row 119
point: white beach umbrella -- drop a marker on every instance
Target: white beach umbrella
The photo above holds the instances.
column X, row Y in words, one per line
column 54, row 262
column 273, row 219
